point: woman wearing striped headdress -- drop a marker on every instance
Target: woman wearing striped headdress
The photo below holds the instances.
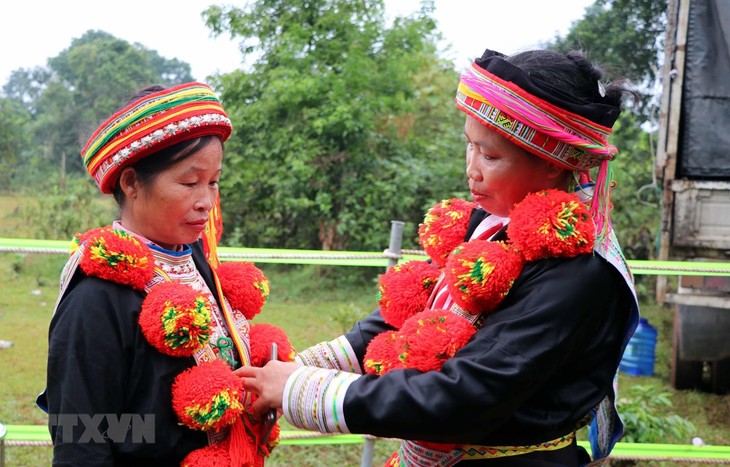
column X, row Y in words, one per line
column 149, row 325
column 508, row 340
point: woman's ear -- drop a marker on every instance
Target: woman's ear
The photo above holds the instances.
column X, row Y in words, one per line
column 129, row 183
column 559, row 175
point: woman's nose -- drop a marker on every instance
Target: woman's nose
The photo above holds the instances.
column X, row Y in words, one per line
column 472, row 171
column 204, row 203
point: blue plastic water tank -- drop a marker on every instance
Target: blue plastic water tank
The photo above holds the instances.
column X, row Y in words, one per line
column 638, row 358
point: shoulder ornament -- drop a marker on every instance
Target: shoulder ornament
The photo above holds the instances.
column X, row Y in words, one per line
column 478, row 275
column 117, row 256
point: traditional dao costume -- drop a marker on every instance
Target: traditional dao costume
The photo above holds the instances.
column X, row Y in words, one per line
column 147, row 337
column 504, row 344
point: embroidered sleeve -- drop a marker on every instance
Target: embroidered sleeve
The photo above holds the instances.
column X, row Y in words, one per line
column 313, row 399
column 335, row 355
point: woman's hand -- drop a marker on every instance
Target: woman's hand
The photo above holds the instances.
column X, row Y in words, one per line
column 268, row 382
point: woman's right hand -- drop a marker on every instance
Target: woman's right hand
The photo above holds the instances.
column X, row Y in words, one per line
column 268, row 382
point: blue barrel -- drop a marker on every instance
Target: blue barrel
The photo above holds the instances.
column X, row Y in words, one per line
column 638, row 358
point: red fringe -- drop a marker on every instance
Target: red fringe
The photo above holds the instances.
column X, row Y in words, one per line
column 241, row 445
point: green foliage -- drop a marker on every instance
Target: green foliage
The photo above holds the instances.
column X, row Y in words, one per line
column 81, row 86
column 647, row 417
column 328, row 146
column 636, row 196
column 16, row 266
column 14, row 138
column 60, row 214
column 347, row 314
column 624, row 36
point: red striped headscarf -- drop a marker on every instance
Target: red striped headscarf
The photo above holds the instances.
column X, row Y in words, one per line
column 152, row 123
column 571, row 135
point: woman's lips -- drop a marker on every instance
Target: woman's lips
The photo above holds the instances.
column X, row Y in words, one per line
column 476, row 196
column 198, row 225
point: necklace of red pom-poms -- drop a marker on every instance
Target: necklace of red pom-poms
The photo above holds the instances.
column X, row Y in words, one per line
column 478, row 275
column 176, row 320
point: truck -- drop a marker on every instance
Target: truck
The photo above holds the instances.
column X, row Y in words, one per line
column 692, row 167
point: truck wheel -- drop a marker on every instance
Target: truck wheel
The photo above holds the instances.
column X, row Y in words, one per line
column 720, row 376
column 685, row 374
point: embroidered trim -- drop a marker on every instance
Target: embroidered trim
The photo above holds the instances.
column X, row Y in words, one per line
column 119, row 157
column 567, row 139
column 335, row 355
column 314, row 397
column 413, row 454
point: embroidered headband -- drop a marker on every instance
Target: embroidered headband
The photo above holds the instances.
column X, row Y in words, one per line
column 565, row 138
column 152, row 123
column 544, row 121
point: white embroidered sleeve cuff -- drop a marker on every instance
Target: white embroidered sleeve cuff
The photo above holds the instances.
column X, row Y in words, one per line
column 336, row 355
column 313, row 399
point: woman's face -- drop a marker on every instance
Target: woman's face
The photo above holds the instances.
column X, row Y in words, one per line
column 173, row 208
column 501, row 173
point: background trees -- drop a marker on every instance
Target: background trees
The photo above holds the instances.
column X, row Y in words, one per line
column 342, row 122
column 626, row 38
column 79, row 88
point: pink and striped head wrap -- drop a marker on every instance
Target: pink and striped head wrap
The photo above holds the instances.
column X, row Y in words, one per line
column 152, row 123
column 567, row 133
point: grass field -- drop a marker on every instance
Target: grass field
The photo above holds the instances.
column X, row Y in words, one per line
column 310, row 309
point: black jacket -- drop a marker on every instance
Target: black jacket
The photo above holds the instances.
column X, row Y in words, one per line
column 100, row 365
column 537, row 366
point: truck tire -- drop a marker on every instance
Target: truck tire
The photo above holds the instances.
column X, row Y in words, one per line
column 684, row 374
column 720, row 376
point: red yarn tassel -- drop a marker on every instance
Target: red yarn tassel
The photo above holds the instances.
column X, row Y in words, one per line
column 212, row 233
column 241, row 448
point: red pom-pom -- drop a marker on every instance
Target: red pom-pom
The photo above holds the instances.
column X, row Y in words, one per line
column 262, row 335
column 117, row 256
column 551, row 223
column 431, row 337
column 175, row 319
column 207, row 396
column 444, row 228
column 245, row 286
column 480, row 273
column 79, row 238
column 381, row 355
column 404, row 290
column 214, row 455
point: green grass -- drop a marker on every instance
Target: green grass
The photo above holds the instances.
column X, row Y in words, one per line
column 311, row 305
column 11, row 223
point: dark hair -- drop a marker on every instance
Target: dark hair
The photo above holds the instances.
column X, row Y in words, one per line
column 148, row 168
column 571, row 76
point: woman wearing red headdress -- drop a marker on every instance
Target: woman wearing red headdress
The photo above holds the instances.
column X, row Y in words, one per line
column 149, row 326
column 511, row 341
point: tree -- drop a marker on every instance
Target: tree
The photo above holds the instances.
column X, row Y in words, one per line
column 625, row 37
column 332, row 123
column 83, row 85
column 13, row 138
